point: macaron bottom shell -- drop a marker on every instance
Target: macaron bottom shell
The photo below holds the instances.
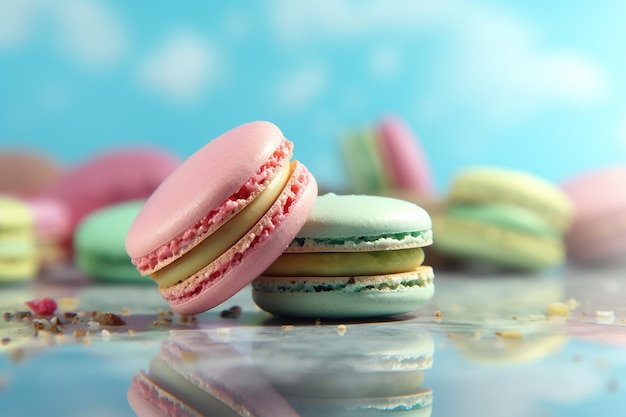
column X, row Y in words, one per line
column 345, row 297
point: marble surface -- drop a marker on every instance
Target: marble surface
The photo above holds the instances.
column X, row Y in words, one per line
column 487, row 345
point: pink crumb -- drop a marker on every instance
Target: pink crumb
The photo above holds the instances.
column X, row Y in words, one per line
column 42, row 307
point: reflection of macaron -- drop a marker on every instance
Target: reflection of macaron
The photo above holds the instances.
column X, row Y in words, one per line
column 356, row 256
column 504, row 218
column 388, row 157
column 109, row 178
column 194, row 375
column 369, row 369
column 18, row 253
column 598, row 233
column 222, row 217
column 99, row 244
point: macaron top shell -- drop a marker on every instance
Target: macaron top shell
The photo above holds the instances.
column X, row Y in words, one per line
column 363, row 223
column 407, row 163
column 15, row 215
column 210, row 187
column 501, row 185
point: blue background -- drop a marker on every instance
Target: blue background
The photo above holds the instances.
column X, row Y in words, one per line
column 524, row 84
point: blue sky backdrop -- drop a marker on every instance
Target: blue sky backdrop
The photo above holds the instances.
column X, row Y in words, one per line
column 524, row 84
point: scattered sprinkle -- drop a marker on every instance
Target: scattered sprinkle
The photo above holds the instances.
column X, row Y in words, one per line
column 509, row 334
column 287, row 327
column 132, row 332
column 438, row 314
column 342, row 329
column 558, row 309
column 42, row 307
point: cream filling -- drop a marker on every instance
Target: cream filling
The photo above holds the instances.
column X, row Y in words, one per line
column 327, row 264
column 226, row 236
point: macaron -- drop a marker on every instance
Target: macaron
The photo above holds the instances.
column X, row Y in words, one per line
column 18, row 252
column 503, row 218
column 356, row 256
column 195, row 375
column 362, row 370
column 111, row 177
column 53, row 231
column 598, row 233
column 386, row 158
column 99, row 244
column 27, row 173
column 222, row 217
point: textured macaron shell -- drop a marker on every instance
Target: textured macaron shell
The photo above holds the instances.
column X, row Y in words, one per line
column 500, row 185
column 203, row 193
column 405, row 159
column 362, row 223
column 349, row 297
column 252, row 254
column 99, row 243
column 599, row 229
column 112, row 177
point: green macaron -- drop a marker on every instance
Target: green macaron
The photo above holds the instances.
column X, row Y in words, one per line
column 99, row 244
column 501, row 235
column 356, row 256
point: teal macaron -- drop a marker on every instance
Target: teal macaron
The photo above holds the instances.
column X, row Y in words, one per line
column 356, row 256
column 99, row 244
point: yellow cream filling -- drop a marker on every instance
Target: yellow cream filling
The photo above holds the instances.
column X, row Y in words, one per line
column 327, row 264
column 226, row 236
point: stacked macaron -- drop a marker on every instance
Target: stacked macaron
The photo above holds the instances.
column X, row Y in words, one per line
column 504, row 218
column 18, row 252
column 356, row 256
column 598, row 234
column 222, row 217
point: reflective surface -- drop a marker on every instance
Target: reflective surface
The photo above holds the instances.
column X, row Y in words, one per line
column 486, row 345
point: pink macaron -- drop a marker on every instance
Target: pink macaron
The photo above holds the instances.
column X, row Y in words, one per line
column 598, row 234
column 404, row 157
column 109, row 178
column 27, row 173
column 222, row 217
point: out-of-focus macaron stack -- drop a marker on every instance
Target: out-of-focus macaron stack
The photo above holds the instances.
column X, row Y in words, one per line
column 18, row 254
column 57, row 198
column 598, row 234
column 504, row 218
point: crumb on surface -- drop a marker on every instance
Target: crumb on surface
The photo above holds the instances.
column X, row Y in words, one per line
column 287, row 327
column 231, row 313
column 558, row 309
column 110, row 319
column 509, row 334
column 45, row 306
column 342, row 329
column 132, row 332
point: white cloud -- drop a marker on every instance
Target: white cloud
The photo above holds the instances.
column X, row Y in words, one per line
column 181, row 69
column 89, row 31
column 301, row 87
column 17, row 21
column 498, row 70
column 492, row 63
